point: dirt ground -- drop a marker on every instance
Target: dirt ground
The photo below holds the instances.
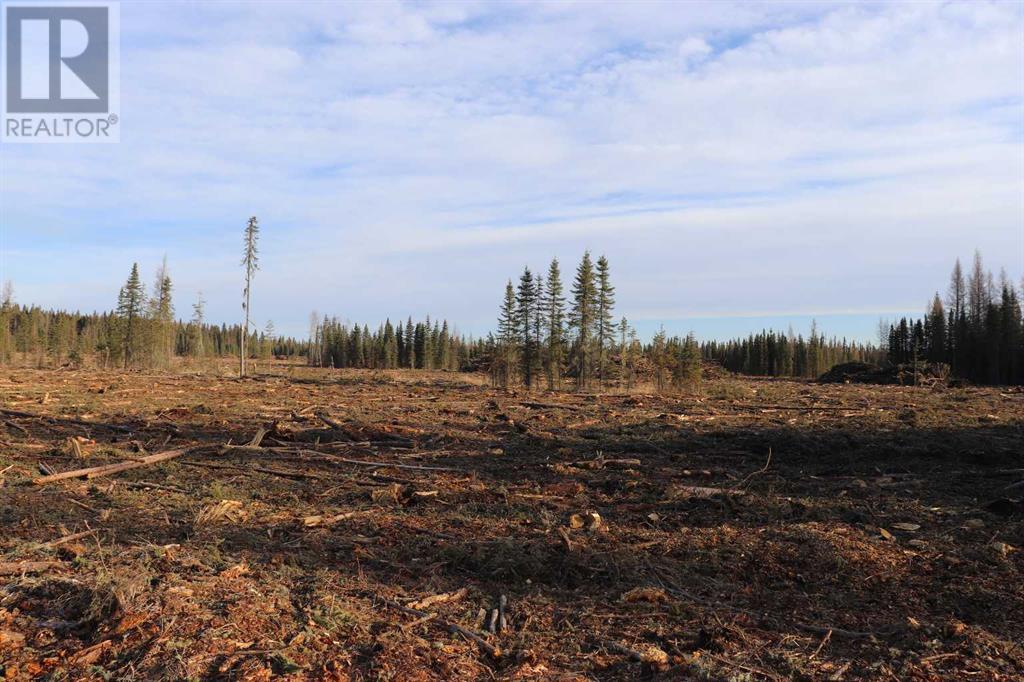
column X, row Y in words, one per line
column 326, row 524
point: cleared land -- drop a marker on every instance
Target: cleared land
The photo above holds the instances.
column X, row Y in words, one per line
column 372, row 524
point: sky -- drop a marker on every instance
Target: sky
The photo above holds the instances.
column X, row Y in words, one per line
column 742, row 165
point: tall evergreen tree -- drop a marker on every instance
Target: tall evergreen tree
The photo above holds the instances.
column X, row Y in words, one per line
column 605, row 328
column 687, row 370
column 444, row 348
column 526, row 303
column 936, row 340
column 506, row 337
column 410, row 342
column 390, row 346
column 554, row 310
column 582, row 318
column 129, row 311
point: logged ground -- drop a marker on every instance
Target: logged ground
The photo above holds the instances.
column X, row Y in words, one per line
column 765, row 530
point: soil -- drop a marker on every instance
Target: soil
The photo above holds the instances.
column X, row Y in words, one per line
column 371, row 525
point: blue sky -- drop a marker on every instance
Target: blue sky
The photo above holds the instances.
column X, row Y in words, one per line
column 742, row 165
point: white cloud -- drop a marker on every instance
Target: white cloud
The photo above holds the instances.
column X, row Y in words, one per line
column 410, row 157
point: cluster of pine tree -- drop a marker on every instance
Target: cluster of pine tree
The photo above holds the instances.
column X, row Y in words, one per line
column 541, row 339
column 778, row 354
column 141, row 332
column 978, row 333
column 537, row 337
column 423, row 345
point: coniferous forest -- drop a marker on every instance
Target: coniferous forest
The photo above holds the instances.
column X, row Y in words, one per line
column 550, row 334
column 978, row 332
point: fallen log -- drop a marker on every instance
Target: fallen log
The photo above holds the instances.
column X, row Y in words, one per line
column 118, row 467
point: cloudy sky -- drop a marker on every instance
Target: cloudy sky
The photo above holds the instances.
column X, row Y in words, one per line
column 741, row 165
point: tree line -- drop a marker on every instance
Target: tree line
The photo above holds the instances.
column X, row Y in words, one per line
column 544, row 338
column 777, row 354
column 977, row 331
column 141, row 331
column 420, row 345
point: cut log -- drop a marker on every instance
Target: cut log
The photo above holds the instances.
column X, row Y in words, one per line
column 107, row 469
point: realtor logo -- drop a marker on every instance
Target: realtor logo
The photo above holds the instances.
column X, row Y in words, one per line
column 61, row 72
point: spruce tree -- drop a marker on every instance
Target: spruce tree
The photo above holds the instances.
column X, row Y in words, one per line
column 581, row 318
column 430, row 334
column 554, row 309
column 390, row 346
column 400, row 344
column 506, row 337
column 526, row 302
column 538, row 324
column 936, row 322
column 444, row 348
column 686, row 373
column 605, row 328
column 129, row 311
column 410, row 344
